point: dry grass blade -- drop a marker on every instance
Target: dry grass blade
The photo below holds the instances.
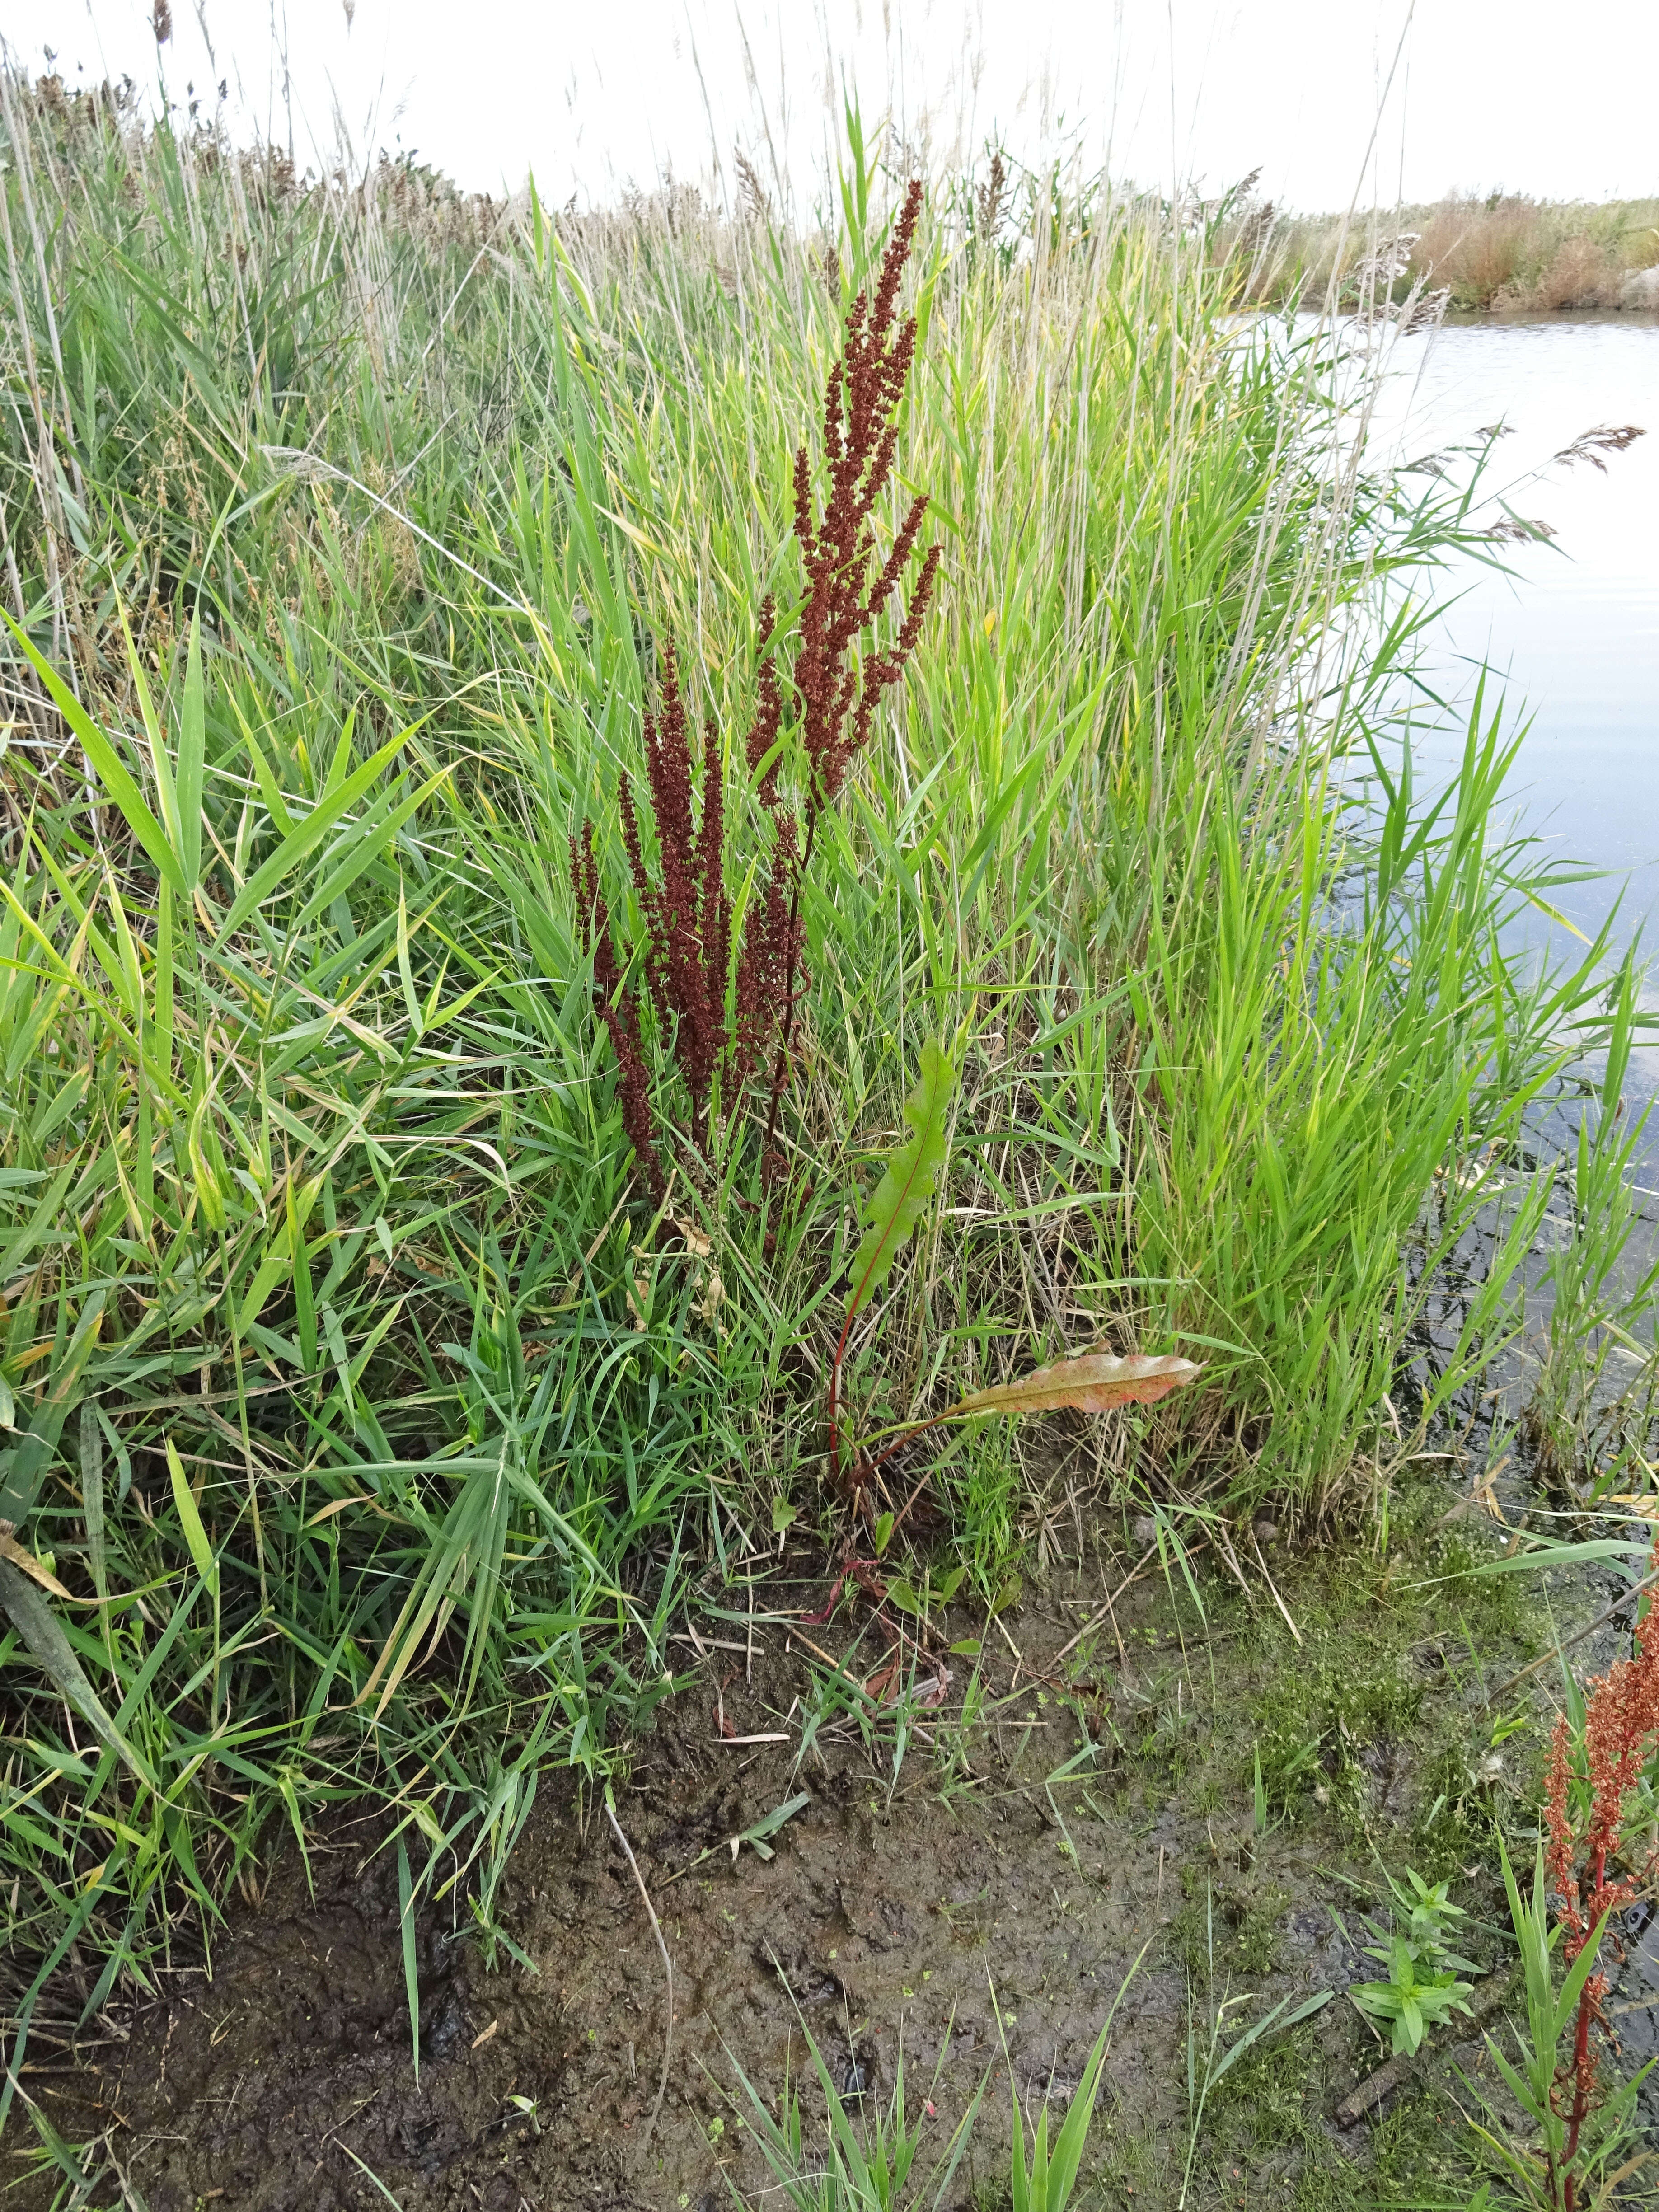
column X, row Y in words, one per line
column 668, row 1969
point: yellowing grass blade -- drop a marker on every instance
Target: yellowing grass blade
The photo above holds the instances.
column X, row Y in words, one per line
column 21, row 1557
column 192, row 748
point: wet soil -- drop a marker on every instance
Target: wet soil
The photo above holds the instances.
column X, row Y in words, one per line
column 975, row 1895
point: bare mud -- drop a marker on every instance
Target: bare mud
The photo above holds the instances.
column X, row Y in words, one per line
column 974, row 1895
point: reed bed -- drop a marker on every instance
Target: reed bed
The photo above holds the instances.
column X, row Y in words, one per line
column 1502, row 252
column 366, row 1418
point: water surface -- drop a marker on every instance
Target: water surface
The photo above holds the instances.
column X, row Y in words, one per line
column 1571, row 633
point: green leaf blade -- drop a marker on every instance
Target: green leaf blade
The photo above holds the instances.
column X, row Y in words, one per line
column 897, row 1204
column 308, row 833
column 190, row 1520
column 111, row 772
column 192, row 753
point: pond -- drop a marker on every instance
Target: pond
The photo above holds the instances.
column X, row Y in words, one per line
column 1571, row 631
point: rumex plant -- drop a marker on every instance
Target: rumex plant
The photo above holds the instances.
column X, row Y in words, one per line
column 1585, row 1820
column 726, row 999
column 1561, row 2163
column 1583, row 2140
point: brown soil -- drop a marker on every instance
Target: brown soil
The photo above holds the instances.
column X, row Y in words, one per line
column 283, row 2079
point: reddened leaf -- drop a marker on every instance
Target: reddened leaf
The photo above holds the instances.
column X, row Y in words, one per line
column 1092, row 1383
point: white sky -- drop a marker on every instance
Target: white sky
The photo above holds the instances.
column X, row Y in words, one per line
column 1562, row 102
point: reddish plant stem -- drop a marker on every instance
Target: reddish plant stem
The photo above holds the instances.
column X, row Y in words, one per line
column 912, row 1430
column 907, row 1435
column 1580, row 2060
column 786, row 1042
column 1621, row 1721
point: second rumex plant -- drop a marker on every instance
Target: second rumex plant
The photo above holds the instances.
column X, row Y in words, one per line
column 725, row 994
column 1587, row 1823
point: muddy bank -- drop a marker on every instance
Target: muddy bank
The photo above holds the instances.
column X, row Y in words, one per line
column 992, row 1872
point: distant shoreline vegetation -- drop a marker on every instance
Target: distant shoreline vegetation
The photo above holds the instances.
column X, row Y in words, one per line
column 1503, row 254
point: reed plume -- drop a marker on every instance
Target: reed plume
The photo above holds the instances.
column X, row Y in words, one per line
column 1594, row 446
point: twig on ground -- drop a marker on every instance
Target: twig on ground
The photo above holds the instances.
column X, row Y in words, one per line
column 1256, row 1543
column 1625, row 1598
column 668, row 1969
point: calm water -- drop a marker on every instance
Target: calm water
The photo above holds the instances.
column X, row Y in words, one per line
column 1573, row 630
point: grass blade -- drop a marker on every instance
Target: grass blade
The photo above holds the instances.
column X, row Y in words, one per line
column 37, row 1625
column 411, row 1965
column 105, row 760
column 894, row 1207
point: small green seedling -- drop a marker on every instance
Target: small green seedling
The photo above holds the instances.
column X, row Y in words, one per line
column 935, row 1591
column 870, row 2155
column 1047, row 2184
column 756, row 1837
column 1423, row 1989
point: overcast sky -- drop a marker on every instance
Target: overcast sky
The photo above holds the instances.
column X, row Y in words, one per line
column 1330, row 97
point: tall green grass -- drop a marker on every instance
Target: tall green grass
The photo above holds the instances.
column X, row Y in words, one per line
column 365, row 1422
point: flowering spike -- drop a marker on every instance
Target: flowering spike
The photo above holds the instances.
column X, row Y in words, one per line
column 617, row 1007
column 724, row 1000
